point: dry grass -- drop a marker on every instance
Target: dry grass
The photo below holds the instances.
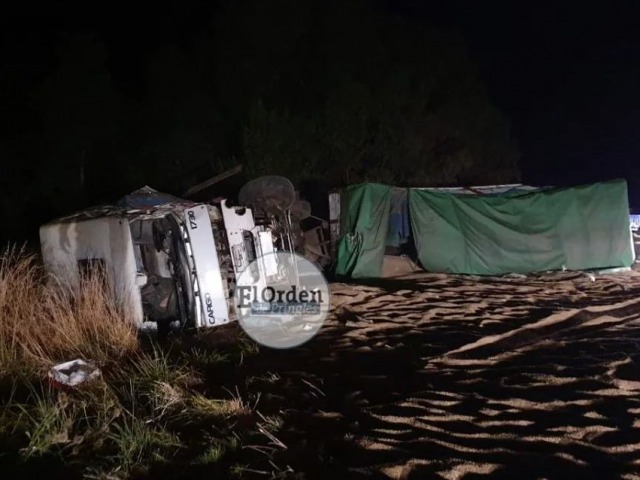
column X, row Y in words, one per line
column 149, row 407
column 42, row 323
column 235, row 406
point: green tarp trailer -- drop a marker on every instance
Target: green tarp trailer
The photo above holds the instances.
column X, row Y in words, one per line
column 366, row 222
column 523, row 231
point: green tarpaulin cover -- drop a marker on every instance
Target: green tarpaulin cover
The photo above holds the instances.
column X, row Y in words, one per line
column 365, row 223
column 576, row 228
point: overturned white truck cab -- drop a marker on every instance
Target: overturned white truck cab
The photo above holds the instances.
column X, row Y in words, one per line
column 168, row 261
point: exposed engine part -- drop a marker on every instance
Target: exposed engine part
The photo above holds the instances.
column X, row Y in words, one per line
column 301, row 209
column 272, row 193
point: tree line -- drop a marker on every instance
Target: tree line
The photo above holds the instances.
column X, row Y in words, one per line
column 336, row 92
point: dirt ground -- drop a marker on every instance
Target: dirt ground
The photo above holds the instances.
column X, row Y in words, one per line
column 436, row 376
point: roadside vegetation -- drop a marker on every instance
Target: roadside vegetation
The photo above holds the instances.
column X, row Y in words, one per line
column 154, row 405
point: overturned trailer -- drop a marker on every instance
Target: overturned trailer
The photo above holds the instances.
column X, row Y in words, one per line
column 169, row 261
column 490, row 230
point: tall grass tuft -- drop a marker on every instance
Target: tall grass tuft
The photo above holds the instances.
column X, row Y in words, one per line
column 41, row 323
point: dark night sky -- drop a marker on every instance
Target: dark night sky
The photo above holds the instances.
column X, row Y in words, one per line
column 565, row 73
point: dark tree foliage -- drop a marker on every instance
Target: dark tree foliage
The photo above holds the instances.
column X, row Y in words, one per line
column 80, row 119
column 337, row 91
column 344, row 91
